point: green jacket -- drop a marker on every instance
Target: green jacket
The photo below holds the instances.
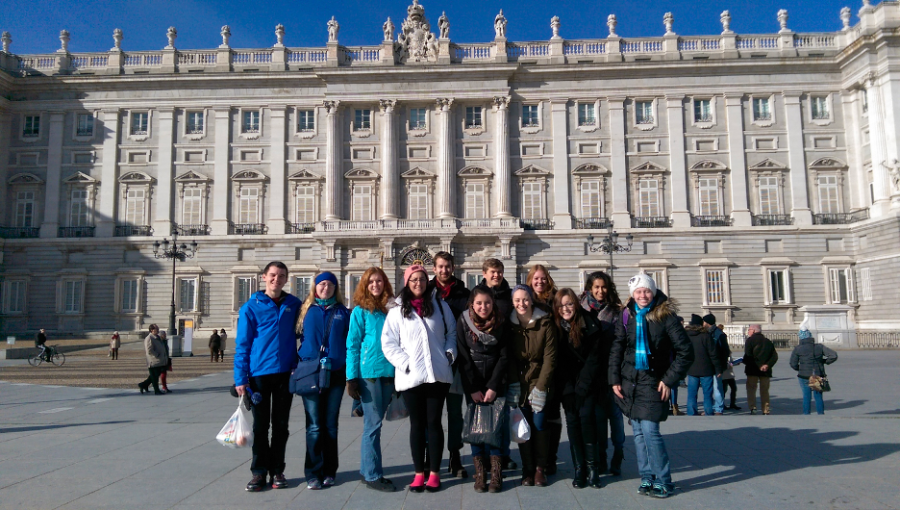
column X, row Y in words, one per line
column 364, row 356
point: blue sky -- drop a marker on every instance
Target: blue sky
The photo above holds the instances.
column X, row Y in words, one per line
column 35, row 24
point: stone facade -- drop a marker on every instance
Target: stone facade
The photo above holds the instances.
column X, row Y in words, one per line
column 758, row 175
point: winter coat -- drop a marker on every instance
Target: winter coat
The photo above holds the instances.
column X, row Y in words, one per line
column 670, row 356
column 417, row 346
column 222, row 338
column 810, row 358
column 483, row 357
column 722, row 347
column 582, row 371
column 458, row 300
column 40, row 339
column 265, row 342
column 759, row 351
column 155, row 351
column 215, row 341
column 313, row 335
column 115, row 342
column 533, row 351
column 502, row 295
column 364, row 356
column 706, row 356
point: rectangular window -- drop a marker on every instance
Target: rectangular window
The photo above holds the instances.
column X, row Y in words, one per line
column 84, row 124
column 249, row 206
column 865, row 283
column 659, row 277
column 648, row 197
column 140, row 123
column 702, row 110
column 586, row 114
column 362, row 202
column 777, row 286
column 195, row 123
column 590, row 199
column 78, row 209
column 362, row 119
column 768, row 196
column 354, row 283
column 244, row 289
column 250, row 122
column 302, row 286
column 418, row 201
column 865, row 101
column 32, row 127
column 819, row 107
column 828, row 194
column 530, row 115
column 73, row 296
column 475, row 200
column 190, row 212
column 187, row 294
column 306, row 120
column 531, row 201
column 25, row 209
column 761, row 109
column 715, row 287
column 841, row 290
column 15, row 296
column 129, row 295
column 643, row 112
column 306, row 204
column 134, row 207
column 709, row 197
column 417, row 118
column 473, row 117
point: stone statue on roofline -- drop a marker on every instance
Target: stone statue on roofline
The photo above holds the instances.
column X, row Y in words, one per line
column 416, row 41
column 500, row 25
column 444, row 26
column 388, row 29
column 333, row 28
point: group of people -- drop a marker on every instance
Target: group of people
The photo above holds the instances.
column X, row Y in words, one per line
column 156, row 349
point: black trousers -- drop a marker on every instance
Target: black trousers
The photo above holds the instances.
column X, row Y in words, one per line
column 153, row 378
column 426, row 404
column 274, row 408
column 730, row 383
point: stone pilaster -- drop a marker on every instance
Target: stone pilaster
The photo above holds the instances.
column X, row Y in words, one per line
column 106, row 213
column 620, row 215
column 54, row 175
column 277, row 169
column 737, row 162
column 890, row 95
column 446, row 175
column 162, row 224
column 881, row 187
column 222, row 172
column 859, row 182
column 5, row 118
column 501, row 156
column 333, row 159
column 389, row 171
column 797, row 159
column 681, row 216
column 562, row 215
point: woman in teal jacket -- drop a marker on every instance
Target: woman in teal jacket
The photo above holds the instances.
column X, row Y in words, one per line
column 370, row 377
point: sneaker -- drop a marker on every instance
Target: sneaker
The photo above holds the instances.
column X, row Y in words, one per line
column 328, row 482
column 314, row 484
column 382, row 485
column 279, row 481
column 256, row 483
column 662, row 490
column 645, row 488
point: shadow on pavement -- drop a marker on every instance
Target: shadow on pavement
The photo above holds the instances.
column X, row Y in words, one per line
column 32, row 428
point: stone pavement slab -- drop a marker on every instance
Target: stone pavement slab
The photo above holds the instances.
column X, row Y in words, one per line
column 115, row 448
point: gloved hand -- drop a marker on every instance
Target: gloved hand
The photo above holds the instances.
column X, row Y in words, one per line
column 353, row 389
column 537, row 399
column 513, row 394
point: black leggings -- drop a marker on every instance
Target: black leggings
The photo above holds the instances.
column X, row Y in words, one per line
column 426, row 404
column 729, row 383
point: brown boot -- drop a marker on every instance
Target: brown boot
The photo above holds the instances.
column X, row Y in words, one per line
column 479, row 474
column 675, row 410
column 496, row 474
column 540, row 479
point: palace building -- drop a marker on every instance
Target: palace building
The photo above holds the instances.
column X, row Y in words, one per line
column 757, row 175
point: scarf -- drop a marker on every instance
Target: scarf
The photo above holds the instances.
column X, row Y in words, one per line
column 642, row 343
column 485, row 326
column 325, row 303
column 477, row 329
column 418, row 305
column 593, row 303
column 566, row 325
column 445, row 291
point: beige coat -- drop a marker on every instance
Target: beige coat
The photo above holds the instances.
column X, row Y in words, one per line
column 156, row 351
column 115, row 342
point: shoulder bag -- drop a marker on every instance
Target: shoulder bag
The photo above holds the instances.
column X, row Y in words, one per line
column 305, row 378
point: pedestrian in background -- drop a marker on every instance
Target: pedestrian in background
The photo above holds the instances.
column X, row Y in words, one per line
column 705, row 369
column 723, row 352
column 809, row 359
column 759, row 358
column 215, row 346
column 222, row 337
column 40, row 342
column 114, row 344
column 156, row 360
column 163, row 374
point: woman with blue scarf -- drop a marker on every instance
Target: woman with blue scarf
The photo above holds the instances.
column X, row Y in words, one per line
column 322, row 329
column 650, row 355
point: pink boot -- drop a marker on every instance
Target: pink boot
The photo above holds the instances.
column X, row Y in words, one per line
column 434, row 482
column 418, row 483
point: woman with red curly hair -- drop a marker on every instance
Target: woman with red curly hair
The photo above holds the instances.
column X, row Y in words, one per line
column 370, row 377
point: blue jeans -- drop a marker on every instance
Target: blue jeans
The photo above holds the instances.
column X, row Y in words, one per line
column 322, row 412
column 718, row 395
column 652, row 457
column 673, row 396
column 820, row 403
column 694, row 384
column 374, row 395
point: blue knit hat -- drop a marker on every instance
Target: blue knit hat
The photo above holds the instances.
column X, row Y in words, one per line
column 804, row 334
column 526, row 288
column 326, row 276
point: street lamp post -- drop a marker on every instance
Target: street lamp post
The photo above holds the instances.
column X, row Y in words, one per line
column 176, row 253
column 610, row 244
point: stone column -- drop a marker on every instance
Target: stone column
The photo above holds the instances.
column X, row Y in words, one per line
column 389, row 171
column 222, row 173
column 333, row 158
column 446, row 176
column 501, row 156
column 109, row 184
column 54, row 175
column 859, row 182
column 562, row 210
column 620, row 216
column 5, row 119
column 881, row 184
column 797, row 159
column 890, row 95
column 162, row 224
column 740, row 209
column 277, row 170
column 681, row 216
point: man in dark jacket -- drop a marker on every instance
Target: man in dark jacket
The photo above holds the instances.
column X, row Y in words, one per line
column 40, row 342
column 215, row 347
column 724, row 352
column 759, row 358
column 454, row 292
column 705, row 370
column 492, row 273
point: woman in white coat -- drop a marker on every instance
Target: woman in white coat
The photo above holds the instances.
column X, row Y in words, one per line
column 419, row 339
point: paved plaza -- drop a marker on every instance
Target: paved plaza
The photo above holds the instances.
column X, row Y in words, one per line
column 83, row 447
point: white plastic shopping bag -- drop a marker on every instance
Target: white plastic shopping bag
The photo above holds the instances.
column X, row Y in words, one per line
column 519, row 430
column 238, row 432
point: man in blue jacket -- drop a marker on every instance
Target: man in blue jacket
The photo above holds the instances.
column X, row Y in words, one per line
column 265, row 354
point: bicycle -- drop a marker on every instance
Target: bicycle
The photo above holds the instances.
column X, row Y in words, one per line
column 53, row 356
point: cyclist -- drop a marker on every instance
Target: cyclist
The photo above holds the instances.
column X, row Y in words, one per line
column 40, row 341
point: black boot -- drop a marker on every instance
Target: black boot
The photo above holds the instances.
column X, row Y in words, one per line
column 580, row 480
column 615, row 466
column 456, row 467
column 554, row 433
column 593, row 462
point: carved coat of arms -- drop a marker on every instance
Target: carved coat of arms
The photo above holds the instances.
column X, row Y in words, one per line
column 416, row 43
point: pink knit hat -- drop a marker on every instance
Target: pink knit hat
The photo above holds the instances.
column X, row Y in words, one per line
column 415, row 268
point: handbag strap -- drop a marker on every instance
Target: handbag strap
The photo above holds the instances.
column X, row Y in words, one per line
column 325, row 347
